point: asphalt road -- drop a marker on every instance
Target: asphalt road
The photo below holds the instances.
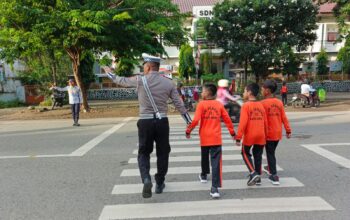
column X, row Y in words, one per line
column 50, row 170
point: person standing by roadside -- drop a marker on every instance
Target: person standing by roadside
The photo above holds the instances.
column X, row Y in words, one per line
column 153, row 92
column 75, row 98
column 284, row 92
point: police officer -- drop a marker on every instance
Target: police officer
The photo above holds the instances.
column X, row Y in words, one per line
column 154, row 92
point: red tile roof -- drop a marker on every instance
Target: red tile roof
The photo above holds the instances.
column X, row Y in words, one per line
column 327, row 8
column 186, row 6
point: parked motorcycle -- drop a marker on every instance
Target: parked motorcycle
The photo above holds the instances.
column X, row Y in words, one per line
column 300, row 100
column 57, row 98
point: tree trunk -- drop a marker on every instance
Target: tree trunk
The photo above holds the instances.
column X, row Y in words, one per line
column 257, row 78
column 53, row 66
column 75, row 55
column 245, row 72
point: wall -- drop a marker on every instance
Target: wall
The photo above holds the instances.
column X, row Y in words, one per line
column 131, row 94
column 113, row 94
column 11, row 90
column 330, row 86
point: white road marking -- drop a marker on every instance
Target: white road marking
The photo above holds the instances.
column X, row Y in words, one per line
column 214, row 207
column 189, row 170
column 317, row 148
column 196, row 149
column 197, row 186
column 225, row 157
column 196, row 142
column 81, row 151
column 194, row 137
column 91, row 144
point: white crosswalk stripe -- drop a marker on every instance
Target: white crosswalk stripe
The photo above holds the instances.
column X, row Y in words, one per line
column 189, row 170
column 197, row 186
column 185, row 151
column 214, row 207
column 192, row 158
column 196, row 149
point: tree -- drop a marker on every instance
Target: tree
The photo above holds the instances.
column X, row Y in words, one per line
column 253, row 31
column 86, row 68
column 322, row 62
column 186, row 67
column 344, row 57
column 126, row 27
column 289, row 61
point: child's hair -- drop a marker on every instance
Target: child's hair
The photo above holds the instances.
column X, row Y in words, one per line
column 211, row 88
column 271, row 85
column 253, row 88
column 284, row 83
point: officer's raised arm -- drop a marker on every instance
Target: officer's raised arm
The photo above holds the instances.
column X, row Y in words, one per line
column 180, row 105
column 123, row 81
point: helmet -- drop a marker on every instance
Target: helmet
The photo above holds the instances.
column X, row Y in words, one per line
column 223, row 83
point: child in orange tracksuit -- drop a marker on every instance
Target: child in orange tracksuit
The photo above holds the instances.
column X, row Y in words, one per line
column 276, row 116
column 284, row 92
column 252, row 128
column 210, row 112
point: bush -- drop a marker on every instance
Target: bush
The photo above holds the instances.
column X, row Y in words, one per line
column 11, row 104
column 47, row 102
column 212, row 78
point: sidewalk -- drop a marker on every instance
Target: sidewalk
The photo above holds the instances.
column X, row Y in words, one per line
column 332, row 96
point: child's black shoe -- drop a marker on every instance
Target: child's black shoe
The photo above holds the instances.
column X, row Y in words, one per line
column 203, row 178
column 274, row 179
column 253, row 179
column 214, row 193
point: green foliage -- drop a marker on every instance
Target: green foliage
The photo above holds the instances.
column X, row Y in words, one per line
column 105, row 61
column 206, row 63
column 86, row 68
column 125, row 66
column 290, row 61
column 126, row 27
column 187, row 64
column 11, row 104
column 254, row 31
column 213, row 78
column 344, row 56
column 46, row 103
column 322, row 62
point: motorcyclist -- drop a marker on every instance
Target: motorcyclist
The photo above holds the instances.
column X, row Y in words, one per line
column 224, row 96
column 307, row 90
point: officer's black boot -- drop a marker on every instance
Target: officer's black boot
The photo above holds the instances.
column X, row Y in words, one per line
column 159, row 188
column 147, row 188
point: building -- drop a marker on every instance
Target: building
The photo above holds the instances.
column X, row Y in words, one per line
column 327, row 39
column 327, row 36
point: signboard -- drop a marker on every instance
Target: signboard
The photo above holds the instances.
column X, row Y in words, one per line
column 203, row 11
column 335, row 66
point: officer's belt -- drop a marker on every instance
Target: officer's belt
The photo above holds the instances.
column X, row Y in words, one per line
column 152, row 116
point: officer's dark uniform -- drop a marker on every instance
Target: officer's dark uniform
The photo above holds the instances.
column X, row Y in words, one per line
column 151, row 128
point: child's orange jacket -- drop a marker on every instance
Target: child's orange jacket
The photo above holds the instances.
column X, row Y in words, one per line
column 209, row 113
column 253, row 124
column 275, row 117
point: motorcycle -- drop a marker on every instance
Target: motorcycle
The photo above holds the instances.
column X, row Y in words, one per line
column 300, row 100
column 57, row 99
column 234, row 109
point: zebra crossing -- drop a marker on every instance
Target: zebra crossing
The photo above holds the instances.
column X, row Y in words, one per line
column 186, row 152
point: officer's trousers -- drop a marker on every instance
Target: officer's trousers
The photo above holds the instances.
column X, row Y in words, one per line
column 150, row 131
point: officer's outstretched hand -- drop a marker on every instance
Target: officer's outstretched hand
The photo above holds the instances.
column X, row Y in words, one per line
column 289, row 135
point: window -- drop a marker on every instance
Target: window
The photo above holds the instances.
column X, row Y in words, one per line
column 332, row 36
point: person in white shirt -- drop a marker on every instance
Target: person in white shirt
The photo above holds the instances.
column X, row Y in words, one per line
column 75, row 99
column 307, row 90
